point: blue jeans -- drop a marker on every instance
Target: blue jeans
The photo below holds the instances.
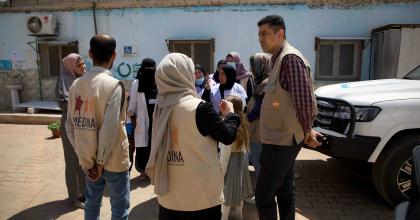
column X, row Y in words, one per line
column 119, row 193
column 255, row 156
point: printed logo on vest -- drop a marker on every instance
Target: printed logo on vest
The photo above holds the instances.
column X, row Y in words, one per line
column 275, row 105
column 174, row 153
column 84, row 120
column 175, row 158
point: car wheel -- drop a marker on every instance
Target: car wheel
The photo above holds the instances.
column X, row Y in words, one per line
column 392, row 171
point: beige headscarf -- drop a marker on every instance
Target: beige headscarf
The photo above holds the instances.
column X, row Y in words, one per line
column 66, row 78
column 260, row 67
column 175, row 83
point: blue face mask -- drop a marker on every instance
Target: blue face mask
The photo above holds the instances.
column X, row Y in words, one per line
column 199, row 82
column 233, row 64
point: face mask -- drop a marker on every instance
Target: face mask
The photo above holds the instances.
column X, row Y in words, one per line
column 233, row 64
column 199, row 82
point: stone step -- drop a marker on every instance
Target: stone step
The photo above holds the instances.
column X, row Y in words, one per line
column 25, row 118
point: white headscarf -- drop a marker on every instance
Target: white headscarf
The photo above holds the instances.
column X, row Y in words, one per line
column 175, row 83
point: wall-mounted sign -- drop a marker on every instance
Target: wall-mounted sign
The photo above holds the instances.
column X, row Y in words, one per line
column 19, row 65
column 5, row 65
column 125, row 70
column 129, row 50
column 14, row 55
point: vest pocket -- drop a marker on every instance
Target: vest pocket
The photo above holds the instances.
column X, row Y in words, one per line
column 272, row 117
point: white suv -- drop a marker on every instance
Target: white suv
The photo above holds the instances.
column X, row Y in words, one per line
column 377, row 121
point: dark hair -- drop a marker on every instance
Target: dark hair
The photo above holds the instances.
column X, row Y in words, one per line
column 275, row 22
column 221, row 62
column 230, row 73
column 216, row 73
column 201, row 68
column 102, row 47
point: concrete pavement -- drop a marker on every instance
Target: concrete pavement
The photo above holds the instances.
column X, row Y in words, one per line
column 32, row 184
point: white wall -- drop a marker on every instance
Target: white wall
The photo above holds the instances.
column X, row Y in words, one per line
column 234, row 28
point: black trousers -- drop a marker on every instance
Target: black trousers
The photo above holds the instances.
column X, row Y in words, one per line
column 213, row 213
column 142, row 156
column 276, row 180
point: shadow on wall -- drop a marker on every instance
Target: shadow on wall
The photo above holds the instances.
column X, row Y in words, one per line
column 49, row 210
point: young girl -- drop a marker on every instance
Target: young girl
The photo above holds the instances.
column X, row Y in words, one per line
column 235, row 165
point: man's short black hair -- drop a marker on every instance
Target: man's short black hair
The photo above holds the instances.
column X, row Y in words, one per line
column 275, row 22
column 102, row 47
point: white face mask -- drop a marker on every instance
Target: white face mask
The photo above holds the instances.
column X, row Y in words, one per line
column 199, row 82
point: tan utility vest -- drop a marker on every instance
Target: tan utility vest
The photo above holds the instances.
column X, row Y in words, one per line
column 278, row 121
column 195, row 175
column 87, row 102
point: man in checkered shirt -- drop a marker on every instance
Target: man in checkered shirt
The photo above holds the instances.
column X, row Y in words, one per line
column 287, row 113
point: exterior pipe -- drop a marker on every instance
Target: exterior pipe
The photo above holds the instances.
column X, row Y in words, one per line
column 94, row 17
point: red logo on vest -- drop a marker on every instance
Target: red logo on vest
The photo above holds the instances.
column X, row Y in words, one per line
column 79, row 103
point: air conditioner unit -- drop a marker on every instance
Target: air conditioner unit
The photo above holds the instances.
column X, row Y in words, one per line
column 42, row 25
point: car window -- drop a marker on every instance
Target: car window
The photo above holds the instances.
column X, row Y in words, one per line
column 414, row 74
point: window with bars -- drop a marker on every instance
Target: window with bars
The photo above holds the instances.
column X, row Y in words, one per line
column 51, row 56
column 338, row 60
column 200, row 51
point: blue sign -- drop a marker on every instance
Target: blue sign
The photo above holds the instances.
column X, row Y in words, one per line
column 5, row 65
column 128, row 50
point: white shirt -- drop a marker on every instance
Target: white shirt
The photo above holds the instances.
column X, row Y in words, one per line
column 137, row 106
column 216, row 97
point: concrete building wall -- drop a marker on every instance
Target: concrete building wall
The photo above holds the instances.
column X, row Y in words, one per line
column 233, row 28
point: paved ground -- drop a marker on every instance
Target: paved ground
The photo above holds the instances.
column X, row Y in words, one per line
column 32, row 184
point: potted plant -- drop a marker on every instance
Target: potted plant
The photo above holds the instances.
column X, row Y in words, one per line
column 55, row 128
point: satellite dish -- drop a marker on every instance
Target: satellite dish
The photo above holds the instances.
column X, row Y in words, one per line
column 34, row 24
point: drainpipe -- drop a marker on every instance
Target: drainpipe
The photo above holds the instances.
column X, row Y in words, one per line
column 371, row 55
column 36, row 48
column 94, row 16
column 39, row 73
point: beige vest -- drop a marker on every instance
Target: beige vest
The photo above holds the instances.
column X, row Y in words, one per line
column 87, row 102
column 278, row 121
column 195, row 176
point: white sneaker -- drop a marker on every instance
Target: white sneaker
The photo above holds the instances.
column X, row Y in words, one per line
column 250, row 201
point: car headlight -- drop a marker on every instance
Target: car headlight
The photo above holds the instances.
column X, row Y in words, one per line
column 366, row 114
column 342, row 112
column 363, row 113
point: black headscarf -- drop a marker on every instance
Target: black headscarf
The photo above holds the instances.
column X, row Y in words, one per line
column 146, row 77
column 216, row 73
column 230, row 73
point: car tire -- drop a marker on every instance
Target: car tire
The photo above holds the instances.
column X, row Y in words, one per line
column 390, row 172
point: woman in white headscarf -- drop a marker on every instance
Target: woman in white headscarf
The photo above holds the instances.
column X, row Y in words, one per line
column 72, row 68
column 184, row 164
